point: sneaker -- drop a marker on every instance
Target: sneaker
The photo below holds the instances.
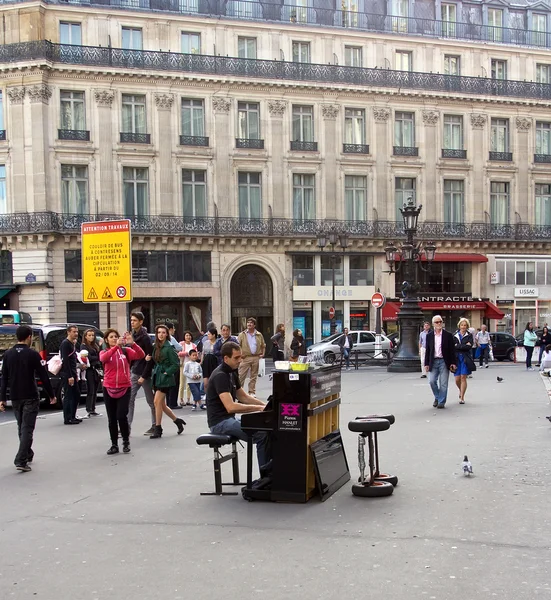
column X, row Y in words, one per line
column 435, row 404
column 94, row 414
column 487, row 366
column 441, row 406
column 194, row 407
column 203, row 407
column 113, row 450
column 23, row 468
column 150, row 431
column 423, row 376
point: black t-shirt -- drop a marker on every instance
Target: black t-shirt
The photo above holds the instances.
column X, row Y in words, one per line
column 223, row 379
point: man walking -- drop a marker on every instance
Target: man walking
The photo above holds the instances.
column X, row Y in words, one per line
column 423, row 346
column 253, row 347
column 483, row 341
column 439, row 360
column 346, row 344
column 140, row 372
column 69, row 378
column 20, row 367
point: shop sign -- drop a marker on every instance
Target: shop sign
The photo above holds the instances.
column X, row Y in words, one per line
column 494, row 277
column 339, row 293
column 460, row 307
column 526, row 292
column 445, row 298
column 305, row 304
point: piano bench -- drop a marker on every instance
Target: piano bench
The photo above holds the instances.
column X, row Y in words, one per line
column 215, row 441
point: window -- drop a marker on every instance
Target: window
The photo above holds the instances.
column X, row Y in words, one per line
column 132, row 38
column 74, row 189
column 194, row 190
column 404, row 129
column 400, row 8
column 403, row 60
column 453, row 132
column 361, row 270
column 248, row 120
column 73, row 114
column 499, row 69
column 452, row 64
column 543, row 138
column 327, row 269
column 539, row 25
column 453, row 201
column 133, row 114
column 250, row 196
column 70, row 33
column 449, row 18
column 193, row 117
column 73, row 265
column 543, row 73
column 6, row 267
column 543, row 204
column 354, row 126
column 499, row 203
column 135, row 191
column 246, row 47
column 1, row 111
column 171, row 266
column 525, row 272
column 304, row 207
column 404, row 189
column 349, row 13
column 191, row 43
column 353, row 56
column 3, row 196
column 355, row 195
column 301, row 52
column 500, row 135
column 495, row 24
column 303, row 270
column 83, row 312
column 303, row 123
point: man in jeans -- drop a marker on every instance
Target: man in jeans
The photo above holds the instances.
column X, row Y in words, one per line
column 439, row 360
column 69, row 376
column 140, row 372
column 346, row 344
column 483, row 341
column 20, row 367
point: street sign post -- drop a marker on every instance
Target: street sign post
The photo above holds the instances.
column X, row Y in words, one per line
column 378, row 300
column 332, row 312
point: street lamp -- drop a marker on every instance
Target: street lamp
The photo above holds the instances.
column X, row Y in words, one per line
column 333, row 238
column 404, row 259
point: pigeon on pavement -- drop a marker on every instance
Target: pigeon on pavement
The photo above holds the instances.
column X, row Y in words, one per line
column 467, row 467
column 499, row 379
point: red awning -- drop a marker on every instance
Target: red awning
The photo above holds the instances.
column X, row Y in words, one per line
column 459, row 257
column 390, row 311
column 493, row 312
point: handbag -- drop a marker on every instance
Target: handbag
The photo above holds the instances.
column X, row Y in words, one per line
column 54, row 364
column 262, row 367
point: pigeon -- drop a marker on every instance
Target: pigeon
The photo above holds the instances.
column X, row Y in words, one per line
column 467, row 467
column 499, row 379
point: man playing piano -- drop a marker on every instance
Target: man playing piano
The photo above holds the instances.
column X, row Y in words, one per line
column 226, row 398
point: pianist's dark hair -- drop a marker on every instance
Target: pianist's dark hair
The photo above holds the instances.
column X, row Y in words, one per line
column 228, row 348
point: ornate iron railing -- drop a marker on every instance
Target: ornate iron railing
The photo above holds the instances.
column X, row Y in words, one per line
column 79, row 135
column 355, row 149
column 2, row 135
column 193, row 140
column 100, row 57
column 304, row 146
column 542, row 158
column 406, row 151
column 503, row 156
column 249, row 143
column 453, row 153
column 135, row 138
column 50, row 222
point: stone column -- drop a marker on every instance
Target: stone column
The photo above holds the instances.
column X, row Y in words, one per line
column 478, row 148
column 16, row 122
column 523, row 160
column 430, row 151
column 168, row 201
column 279, row 186
column 108, row 201
column 380, row 149
column 224, row 185
column 329, row 113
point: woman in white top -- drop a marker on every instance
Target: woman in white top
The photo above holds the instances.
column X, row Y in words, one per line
column 209, row 362
column 187, row 345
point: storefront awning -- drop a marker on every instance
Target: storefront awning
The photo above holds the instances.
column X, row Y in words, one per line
column 390, row 311
column 455, row 257
column 5, row 291
column 493, row 312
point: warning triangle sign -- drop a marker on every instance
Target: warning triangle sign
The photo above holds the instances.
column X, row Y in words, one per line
column 92, row 294
column 107, row 295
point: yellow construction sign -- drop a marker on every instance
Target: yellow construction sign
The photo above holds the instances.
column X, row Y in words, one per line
column 106, row 261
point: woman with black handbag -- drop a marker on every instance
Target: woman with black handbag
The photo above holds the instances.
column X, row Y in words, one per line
column 278, row 343
column 463, row 350
column 93, row 379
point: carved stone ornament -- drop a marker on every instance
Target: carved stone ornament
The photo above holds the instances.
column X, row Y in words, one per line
column 329, row 111
column 277, row 107
column 16, row 94
column 523, row 123
column 430, row 117
column 39, row 93
column 478, row 121
column 221, row 105
column 381, row 114
column 104, row 97
column 164, row 101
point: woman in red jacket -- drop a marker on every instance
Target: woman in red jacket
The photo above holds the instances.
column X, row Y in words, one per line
column 116, row 384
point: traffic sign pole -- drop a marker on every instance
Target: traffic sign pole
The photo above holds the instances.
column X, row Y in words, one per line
column 378, row 300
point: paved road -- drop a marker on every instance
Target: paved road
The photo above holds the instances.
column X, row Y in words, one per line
column 87, row 526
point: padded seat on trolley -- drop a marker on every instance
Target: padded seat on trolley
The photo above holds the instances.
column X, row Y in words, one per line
column 214, row 440
column 217, row 441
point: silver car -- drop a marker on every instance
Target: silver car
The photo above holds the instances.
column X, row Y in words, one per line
column 362, row 340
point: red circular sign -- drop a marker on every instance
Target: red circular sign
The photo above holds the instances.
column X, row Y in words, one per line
column 332, row 312
column 121, row 291
column 378, row 300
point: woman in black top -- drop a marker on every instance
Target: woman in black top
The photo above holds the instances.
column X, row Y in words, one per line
column 278, row 341
column 298, row 347
column 545, row 339
column 92, row 376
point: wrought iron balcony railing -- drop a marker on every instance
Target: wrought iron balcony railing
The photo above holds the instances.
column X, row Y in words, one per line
column 453, row 153
column 542, row 158
column 100, row 57
column 304, row 146
column 502, row 156
column 79, row 135
column 406, row 151
column 50, row 222
column 249, row 143
column 135, row 138
column 193, row 140
column 355, row 149
column 2, row 135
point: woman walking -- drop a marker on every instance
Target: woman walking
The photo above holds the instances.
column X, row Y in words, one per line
column 116, row 384
column 463, row 351
column 209, row 362
column 162, row 379
column 278, row 341
column 187, row 345
column 92, row 376
column 298, row 347
column 545, row 340
column 530, row 339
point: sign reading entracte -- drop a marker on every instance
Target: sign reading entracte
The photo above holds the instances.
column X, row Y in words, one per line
column 106, row 261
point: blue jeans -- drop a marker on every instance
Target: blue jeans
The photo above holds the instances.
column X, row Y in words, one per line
column 232, row 426
column 438, row 379
column 346, row 355
column 195, row 391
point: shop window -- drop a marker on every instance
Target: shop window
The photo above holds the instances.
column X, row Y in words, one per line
column 361, row 270
column 327, row 270
column 80, row 312
column 443, row 277
column 525, row 272
column 171, row 266
column 303, row 270
column 73, row 265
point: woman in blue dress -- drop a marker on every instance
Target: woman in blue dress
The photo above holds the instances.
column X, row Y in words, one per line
column 463, row 349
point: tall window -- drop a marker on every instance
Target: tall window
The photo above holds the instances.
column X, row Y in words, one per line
column 135, row 191
column 449, row 18
column 248, row 120
column 355, row 194
column 525, row 272
column 539, row 24
column 500, row 135
column 303, row 270
column 452, row 64
column 301, row 52
column 400, row 8
column 499, row 203
column 499, row 69
column 349, row 13
column 133, row 114
column 304, row 207
column 543, row 73
column 70, row 33
column 543, row 204
column 495, row 24
column 193, row 117
column 543, row 138
column 353, row 56
column 194, row 190
column 404, row 190
column 191, row 43
column 74, row 189
column 354, row 126
column 453, row 132
column 132, row 38
column 403, row 60
column 303, row 123
column 246, row 47
column 453, row 201
column 73, row 114
column 1, row 111
column 3, row 196
column 404, row 129
column 250, row 196
column 73, row 265
column 361, row 270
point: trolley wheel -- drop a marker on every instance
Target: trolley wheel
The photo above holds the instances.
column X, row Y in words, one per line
column 392, row 479
column 389, row 418
column 377, row 489
column 368, row 425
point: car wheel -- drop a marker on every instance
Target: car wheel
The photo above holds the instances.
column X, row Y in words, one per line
column 511, row 355
column 329, row 358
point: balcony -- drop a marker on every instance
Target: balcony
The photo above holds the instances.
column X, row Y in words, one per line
column 135, row 138
column 453, row 153
column 304, row 146
column 193, row 140
column 405, row 151
column 2, row 135
column 355, row 149
column 542, row 158
column 502, row 156
column 252, row 144
column 75, row 135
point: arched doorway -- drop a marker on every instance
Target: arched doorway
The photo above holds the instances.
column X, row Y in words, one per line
column 252, row 296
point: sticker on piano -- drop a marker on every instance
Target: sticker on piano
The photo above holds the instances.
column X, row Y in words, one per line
column 290, row 417
column 293, row 376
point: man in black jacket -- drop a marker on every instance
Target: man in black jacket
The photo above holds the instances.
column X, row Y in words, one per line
column 346, row 344
column 69, row 376
column 19, row 367
column 439, row 360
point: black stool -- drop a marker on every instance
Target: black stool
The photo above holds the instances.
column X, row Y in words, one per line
column 215, row 441
column 393, row 479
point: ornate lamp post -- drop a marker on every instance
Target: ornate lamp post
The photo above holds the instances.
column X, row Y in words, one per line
column 410, row 317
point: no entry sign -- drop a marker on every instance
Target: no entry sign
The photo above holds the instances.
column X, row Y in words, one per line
column 378, row 300
column 332, row 312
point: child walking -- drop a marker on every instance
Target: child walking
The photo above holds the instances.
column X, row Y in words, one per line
column 194, row 375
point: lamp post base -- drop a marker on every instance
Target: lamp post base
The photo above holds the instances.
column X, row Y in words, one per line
column 410, row 319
